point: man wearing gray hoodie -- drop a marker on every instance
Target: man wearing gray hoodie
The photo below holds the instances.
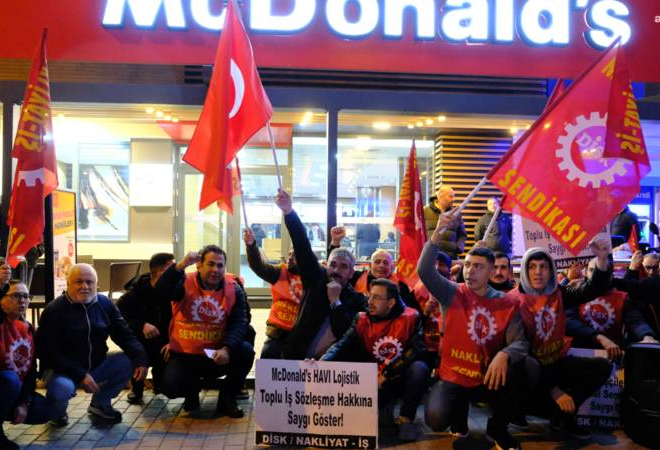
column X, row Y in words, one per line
column 565, row 381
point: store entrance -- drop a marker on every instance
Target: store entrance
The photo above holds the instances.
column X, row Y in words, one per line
column 195, row 229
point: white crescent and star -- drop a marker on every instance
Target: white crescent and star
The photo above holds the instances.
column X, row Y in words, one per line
column 239, row 88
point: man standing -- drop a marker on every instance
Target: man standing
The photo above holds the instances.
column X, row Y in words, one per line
column 624, row 223
column 482, row 345
column 71, row 345
column 389, row 334
column 149, row 318
column 329, row 303
column 499, row 237
column 286, row 292
column 452, row 240
column 209, row 322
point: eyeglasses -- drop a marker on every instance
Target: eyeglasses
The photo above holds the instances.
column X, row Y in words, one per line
column 19, row 296
column 650, row 268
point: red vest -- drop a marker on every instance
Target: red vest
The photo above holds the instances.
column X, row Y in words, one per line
column 362, row 285
column 286, row 294
column 475, row 330
column 386, row 340
column 199, row 320
column 605, row 314
column 545, row 325
column 433, row 323
column 16, row 347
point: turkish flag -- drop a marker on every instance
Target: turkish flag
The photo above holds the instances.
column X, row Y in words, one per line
column 409, row 220
column 558, row 174
column 36, row 166
column 633, row 241
column 236, row 107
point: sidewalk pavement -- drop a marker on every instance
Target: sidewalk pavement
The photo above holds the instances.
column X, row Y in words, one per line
column 161, row 424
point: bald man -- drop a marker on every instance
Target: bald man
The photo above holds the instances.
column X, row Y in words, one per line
column 452, row 241
column 71, row 344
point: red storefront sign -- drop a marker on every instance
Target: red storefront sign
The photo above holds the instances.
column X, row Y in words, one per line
column 522, row 38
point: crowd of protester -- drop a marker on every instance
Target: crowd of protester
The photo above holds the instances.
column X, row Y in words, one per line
column 468, row 332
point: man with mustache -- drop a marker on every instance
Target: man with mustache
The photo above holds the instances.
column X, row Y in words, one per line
column 329, row 303
column 501, row 279
column 381, row 266
column 71, row 346
column 286, row 291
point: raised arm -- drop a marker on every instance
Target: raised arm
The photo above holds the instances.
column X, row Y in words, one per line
column 440, row 287
column 270, row 273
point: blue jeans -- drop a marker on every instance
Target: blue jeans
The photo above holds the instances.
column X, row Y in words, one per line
column 41, row 410
column 111, row 376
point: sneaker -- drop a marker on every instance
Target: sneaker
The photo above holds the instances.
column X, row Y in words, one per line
column 519, row 423
column 501, row 437
column 229, row 409
column 191, row 403
column 106, row 412
column 59, row 422
column 408, row 431
column 134, row 398
column 577, row 431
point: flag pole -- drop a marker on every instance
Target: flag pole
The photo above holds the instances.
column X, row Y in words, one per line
column 272, row 148
column 240, row 187
column 470, row 196
column 493, row 221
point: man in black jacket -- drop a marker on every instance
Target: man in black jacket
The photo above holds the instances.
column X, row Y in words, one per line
column 329, row 303
column 207, row 331
column 391, row 335
column 71, row 345
column 499, row 237
column 149, row 318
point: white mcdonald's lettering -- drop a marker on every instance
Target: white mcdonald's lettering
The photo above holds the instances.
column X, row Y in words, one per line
column 537, row 22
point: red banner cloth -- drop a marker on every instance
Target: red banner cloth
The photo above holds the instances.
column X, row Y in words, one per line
column 409, row 220
column 557, row 173
column 633, row 241
column 236, row 107
column 36, row 167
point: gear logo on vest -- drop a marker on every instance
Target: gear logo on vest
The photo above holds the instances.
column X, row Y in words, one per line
column 205, row 309
column 545, row 321
column 19, row 356
column 481, row 326
column 600, row 314
column 387, row 349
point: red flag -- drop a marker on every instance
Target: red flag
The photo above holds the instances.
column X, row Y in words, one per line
column 633, row 241
column 409, row 220
column 36, row 167
column 236, row 107
column 557, row 174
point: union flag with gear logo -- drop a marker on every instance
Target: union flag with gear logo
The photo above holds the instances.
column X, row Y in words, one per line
column 582, row 161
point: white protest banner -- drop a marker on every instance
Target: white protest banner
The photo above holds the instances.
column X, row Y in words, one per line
column 601, row 410
column 528, row 234
column 316, row 404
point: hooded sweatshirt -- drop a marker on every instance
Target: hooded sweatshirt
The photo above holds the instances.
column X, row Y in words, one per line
column 543, row 311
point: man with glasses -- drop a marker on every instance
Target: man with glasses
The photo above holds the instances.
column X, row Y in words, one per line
column 391, row 335
column 71, row 345
column 19, row 403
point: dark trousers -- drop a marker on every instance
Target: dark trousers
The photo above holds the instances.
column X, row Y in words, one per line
column 448, row 403
column 41, row 410
column 410, row 387
column 183, row 373
column 272, row 348
column 578, row 377
column 156, row 362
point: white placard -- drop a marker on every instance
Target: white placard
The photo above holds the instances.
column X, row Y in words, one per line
column 528, row 234
column 602, row 409
column 316, row 404
column 150, row 185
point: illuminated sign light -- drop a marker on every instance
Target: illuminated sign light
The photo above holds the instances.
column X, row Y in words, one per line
column 538, row 23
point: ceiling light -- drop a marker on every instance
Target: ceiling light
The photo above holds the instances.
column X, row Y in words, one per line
column 411, row 126
column 175, row 119
column 159, row 113
column 60, row 116
column 149, row 110
column 382, row 125
column 429, row 121
column 442, row 118
column 168, row 117
column 514, row 130
column 420, row 123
